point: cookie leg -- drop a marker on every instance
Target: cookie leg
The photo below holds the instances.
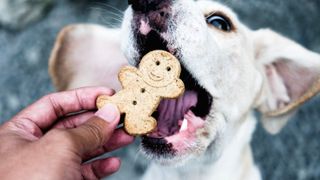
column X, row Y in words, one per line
column 139, row 126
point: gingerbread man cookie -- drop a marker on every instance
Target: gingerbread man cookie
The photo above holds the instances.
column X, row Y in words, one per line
column 157, row 77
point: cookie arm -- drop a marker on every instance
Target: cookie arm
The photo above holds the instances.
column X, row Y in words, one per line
column 128, row 75
column 173, row 90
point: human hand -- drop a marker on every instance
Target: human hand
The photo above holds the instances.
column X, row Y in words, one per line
column 45, row 142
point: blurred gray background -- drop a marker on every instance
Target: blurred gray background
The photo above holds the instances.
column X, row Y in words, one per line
column 28, row 29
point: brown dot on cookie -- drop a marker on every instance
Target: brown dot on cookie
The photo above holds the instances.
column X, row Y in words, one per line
column 134, row 102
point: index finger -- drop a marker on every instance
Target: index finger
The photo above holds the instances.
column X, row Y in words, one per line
column 49, row 108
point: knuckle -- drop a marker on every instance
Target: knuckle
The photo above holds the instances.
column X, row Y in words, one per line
column 48, row 96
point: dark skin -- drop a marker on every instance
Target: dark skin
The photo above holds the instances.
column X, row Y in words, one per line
column 44, row 142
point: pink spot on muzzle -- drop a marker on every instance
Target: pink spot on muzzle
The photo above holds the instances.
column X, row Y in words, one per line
column 144, row 27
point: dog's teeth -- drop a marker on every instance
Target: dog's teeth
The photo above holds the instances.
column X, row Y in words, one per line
column 184, row 125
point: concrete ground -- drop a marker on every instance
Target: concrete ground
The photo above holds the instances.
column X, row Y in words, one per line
column 292, row 154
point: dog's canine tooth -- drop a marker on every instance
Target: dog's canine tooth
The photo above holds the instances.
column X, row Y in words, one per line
column 184, row 125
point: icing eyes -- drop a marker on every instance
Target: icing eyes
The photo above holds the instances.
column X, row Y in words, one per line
column 168, row 68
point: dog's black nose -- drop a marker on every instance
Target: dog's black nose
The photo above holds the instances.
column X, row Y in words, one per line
column 155, row 13
column 148, row 5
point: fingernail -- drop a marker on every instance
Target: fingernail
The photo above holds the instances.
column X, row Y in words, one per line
column 109, row 113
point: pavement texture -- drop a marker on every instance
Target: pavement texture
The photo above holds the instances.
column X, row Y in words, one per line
column 292, row 154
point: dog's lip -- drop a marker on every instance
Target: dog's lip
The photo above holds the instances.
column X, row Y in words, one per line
column 174, row 145
column 187, row 125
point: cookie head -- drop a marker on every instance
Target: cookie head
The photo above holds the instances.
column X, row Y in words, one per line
column 160, row 68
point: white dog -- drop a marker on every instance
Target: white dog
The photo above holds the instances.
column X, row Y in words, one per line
column 228, row 69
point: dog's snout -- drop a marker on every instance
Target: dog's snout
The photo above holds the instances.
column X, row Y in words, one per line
column 151, row 14
column 148, row 5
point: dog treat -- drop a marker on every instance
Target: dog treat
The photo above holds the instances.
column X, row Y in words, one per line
column 157, row 77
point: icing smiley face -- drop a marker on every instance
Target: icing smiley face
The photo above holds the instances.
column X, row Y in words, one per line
column 160, row 70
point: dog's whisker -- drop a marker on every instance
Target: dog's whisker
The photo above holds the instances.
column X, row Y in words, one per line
column 115, row 14
column 105, row 5
column 212, row 13
column 103, row 11
column 107, row 15
column 106, row 9
column 108, row 21
column 137, row 154
column 227, row 2
column 114, row 8
column 111, row 18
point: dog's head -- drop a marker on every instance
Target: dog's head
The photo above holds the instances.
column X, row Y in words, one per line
column 228, row 70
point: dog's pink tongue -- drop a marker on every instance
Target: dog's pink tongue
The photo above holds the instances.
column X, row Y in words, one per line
column 170, row 111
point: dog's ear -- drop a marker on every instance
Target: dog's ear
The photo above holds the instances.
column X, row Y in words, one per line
column 291, row 77
column 86, row 55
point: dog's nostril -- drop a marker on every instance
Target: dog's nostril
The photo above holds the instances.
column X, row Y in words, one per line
column 139, row 5
column 148, row 5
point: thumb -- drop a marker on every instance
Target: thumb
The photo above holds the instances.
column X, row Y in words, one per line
column 96, row 131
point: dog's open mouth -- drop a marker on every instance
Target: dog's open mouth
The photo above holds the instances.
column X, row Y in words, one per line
column 177, row 119
column 177, row 115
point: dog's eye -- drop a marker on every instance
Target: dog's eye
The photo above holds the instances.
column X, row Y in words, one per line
column 219, row 22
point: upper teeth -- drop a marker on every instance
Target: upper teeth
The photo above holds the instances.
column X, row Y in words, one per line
column 184, row 125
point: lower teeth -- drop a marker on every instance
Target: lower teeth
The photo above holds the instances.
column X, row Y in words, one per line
column 184, row 125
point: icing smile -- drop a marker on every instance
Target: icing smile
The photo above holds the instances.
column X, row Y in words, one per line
column 155, row 76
